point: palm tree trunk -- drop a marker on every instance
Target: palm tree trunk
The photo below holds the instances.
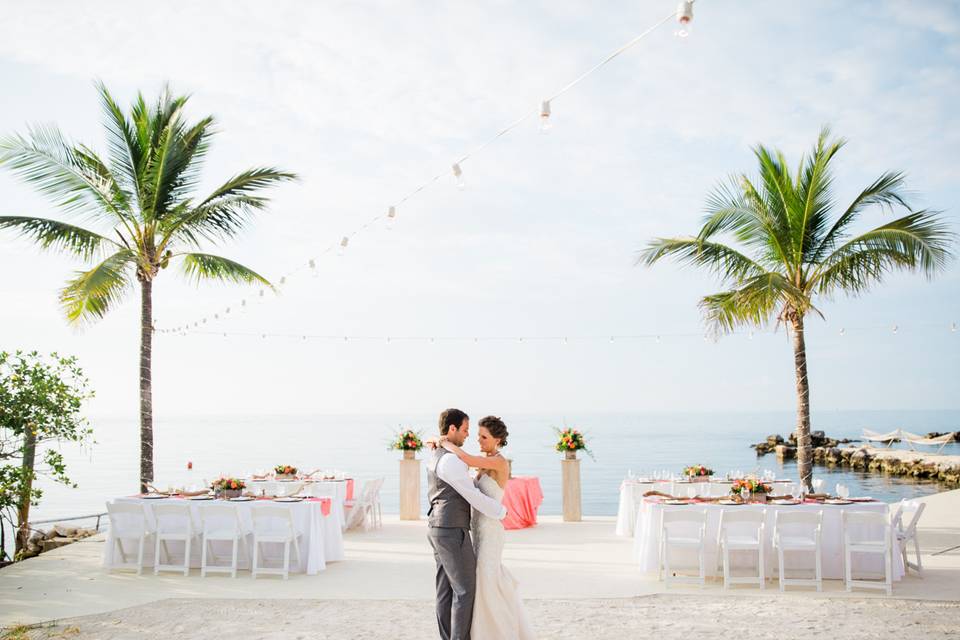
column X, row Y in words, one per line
column 146, row 384
column 26, row 486
column 804, row 450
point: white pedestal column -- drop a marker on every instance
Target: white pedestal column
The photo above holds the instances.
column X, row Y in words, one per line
column 570, row 478
column 410, row 489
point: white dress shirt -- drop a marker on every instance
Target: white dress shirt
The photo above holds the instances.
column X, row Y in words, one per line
column 454, row 472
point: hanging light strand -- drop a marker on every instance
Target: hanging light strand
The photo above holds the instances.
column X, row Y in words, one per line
column 310, row 265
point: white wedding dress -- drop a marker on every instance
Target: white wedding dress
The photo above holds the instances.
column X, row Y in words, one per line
column 498, row 612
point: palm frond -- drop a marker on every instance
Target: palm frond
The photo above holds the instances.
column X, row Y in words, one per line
column 203, row 266
column 248, row 182
column 723, row 261
column 69, row 177
column 92, row 293
column 887, row 192
column 227, row 210
column 814, row 189
column 57, row 235
column 918, row 241
column 754, row 302
column 125, row 150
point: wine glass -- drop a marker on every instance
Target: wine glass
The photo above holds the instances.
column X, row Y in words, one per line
column 692, row 491
column 843, row 491
column 818, row 484
column 745, row 494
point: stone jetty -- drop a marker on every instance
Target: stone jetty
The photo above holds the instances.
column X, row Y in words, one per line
column 898, row 462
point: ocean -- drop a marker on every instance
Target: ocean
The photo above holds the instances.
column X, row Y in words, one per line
column 620, row 443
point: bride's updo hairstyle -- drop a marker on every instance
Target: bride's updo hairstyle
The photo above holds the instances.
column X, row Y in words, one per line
column 496, row 428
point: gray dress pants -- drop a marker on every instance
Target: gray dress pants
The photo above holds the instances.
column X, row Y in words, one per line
column 456, row 581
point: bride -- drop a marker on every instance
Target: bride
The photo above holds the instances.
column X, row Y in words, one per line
column 498, row 612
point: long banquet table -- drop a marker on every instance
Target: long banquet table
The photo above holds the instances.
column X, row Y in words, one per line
column 339, row 491
column 647, row 538
column 321, row 538
column 631, row 495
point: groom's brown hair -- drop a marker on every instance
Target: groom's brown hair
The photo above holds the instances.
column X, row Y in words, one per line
column 451, row 418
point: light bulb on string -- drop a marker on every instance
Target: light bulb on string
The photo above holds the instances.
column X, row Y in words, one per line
column 658, row 339
column 842, row 331
column 566, row 341
column 458, row 176
column 283, row 280
column 313, row 268
column 545, row 123
column 684, row 19
column 611, row 339
column 344, row 241
column 895, row 329
column 391, row 217
column 953, row 327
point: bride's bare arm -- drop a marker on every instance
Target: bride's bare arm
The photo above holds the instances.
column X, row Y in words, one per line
column 496, row 463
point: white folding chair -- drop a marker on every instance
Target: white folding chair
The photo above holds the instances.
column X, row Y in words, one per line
column 128, row 521
column 799, row 532
column 274, row 524
column 742, row 530
column 912, row 510
column 867, row 533
column 682, row 529
column 360, row 508
column 174, row 523
column 221, row 523
column 374, row 513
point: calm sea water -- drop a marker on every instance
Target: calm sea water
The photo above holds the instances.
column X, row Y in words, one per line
column 358, row 445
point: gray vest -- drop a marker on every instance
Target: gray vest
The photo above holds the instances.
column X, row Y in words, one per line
column 448, row 509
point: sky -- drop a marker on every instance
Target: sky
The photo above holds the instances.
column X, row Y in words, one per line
column 367, row 100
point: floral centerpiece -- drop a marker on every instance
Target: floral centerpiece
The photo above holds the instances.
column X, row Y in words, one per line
column 408, row 441
column 285, row 472
column 227, row 487
column 569, row 441
column 756, row 489
column 698, row 473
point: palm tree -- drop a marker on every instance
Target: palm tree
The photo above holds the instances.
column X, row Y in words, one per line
column 794, row 249
column 142, row 202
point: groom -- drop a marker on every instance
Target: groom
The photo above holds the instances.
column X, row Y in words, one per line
column 451, row 493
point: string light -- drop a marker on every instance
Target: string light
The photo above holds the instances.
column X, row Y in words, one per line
column 545, row 122
column 842, row 331
column 344, row 241
column 684, row 18
column 895, row 328
column 685, row 9
column 391, row 217
column 312, row 265
column 458, row 176
column 953, row 327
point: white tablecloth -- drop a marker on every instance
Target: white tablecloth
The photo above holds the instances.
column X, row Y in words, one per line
column 631, row 494
column 336, row 490
column 321, row 538
column 647, row 539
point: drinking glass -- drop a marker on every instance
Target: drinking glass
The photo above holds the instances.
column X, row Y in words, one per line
column 745, row 494
column 843, row 491
column 818, row 485
column 692, row 491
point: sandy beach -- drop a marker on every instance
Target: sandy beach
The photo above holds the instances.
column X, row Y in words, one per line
column 664, row 616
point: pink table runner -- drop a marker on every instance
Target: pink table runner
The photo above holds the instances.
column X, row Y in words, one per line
column 522, row 497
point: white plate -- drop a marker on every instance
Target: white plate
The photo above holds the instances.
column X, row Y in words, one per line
column 728, row 502
column 790, row 502
column 242, row 499
column 862, row 499
column 288, row 499
column 675, row 502
column 154, row 496
column 837, row 502
column 201, row 497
